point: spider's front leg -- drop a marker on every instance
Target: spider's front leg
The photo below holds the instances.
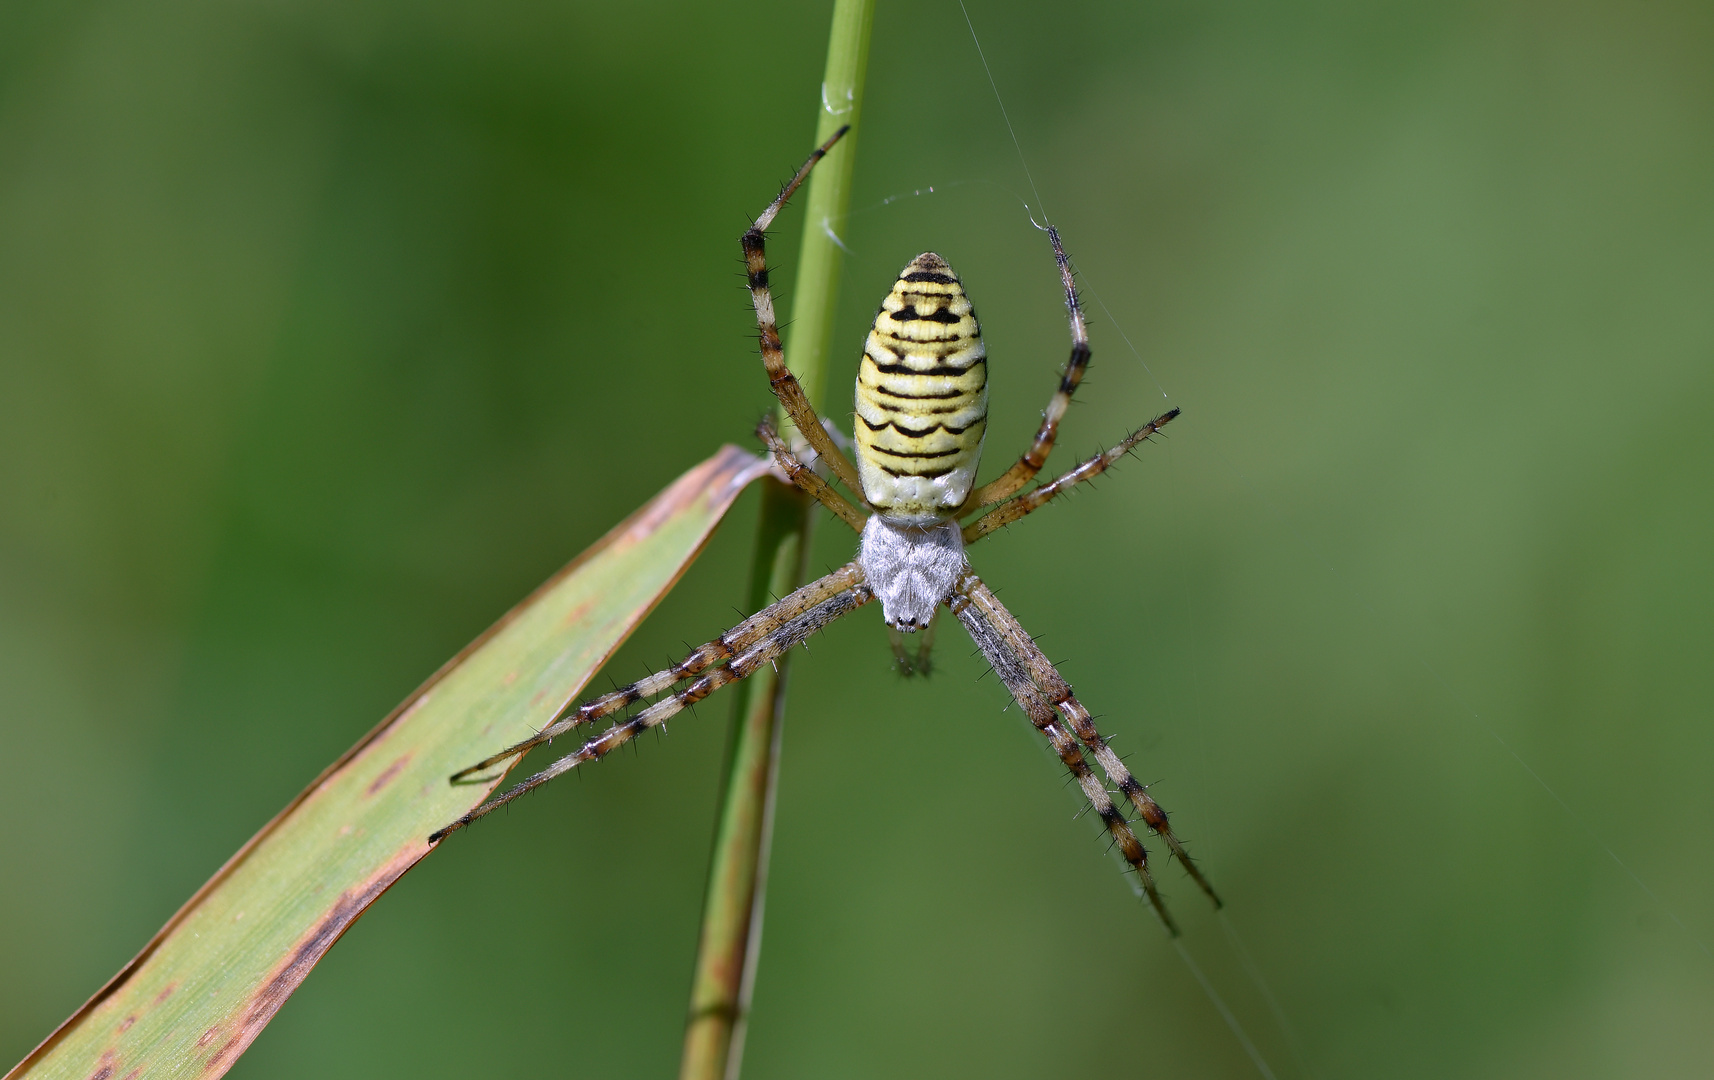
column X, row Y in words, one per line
column 985, row 608
column 758, row 640
column 1037, row 685
column 995, row 646
column 732, row 643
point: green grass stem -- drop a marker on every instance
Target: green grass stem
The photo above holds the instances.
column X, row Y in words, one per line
column 737, row 881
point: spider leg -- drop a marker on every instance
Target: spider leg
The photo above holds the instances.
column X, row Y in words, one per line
column 780, row 377
column 919, row 663
column 804, row 477
column 1035, row 457
column 764, row 651
column 969, row 603
column 1030, row 501
column 902, row 658
column 927, row 644
column 984, row 608
column 735, row 642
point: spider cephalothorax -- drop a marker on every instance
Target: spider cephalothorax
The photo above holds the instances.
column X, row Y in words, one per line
column 921, row 416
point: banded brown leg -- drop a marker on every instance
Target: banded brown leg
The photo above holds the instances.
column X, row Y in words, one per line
column 983, row 608
column 1029, row 502
column 787, row 632
column 805, row 478
column 968, row 602
column 780, row 378
column 735, row 642
column 1031, row 463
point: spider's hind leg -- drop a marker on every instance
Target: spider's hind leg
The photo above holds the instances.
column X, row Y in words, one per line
column 806, row 479
column 1033, row 459
column 780, row 378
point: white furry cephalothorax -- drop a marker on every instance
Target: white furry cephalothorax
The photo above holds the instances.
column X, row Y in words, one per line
column 911, row 568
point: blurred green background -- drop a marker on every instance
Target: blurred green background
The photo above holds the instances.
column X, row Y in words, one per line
column 327, row 330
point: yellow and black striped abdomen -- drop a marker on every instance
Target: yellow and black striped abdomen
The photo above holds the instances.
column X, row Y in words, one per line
column 922, row 397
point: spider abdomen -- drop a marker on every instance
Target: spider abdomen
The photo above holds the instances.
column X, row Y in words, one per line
column 922, row 397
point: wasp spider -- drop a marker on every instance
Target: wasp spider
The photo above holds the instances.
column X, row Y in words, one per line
column 922, row 409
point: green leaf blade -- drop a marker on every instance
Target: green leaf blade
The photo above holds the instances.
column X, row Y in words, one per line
column 204, row 987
